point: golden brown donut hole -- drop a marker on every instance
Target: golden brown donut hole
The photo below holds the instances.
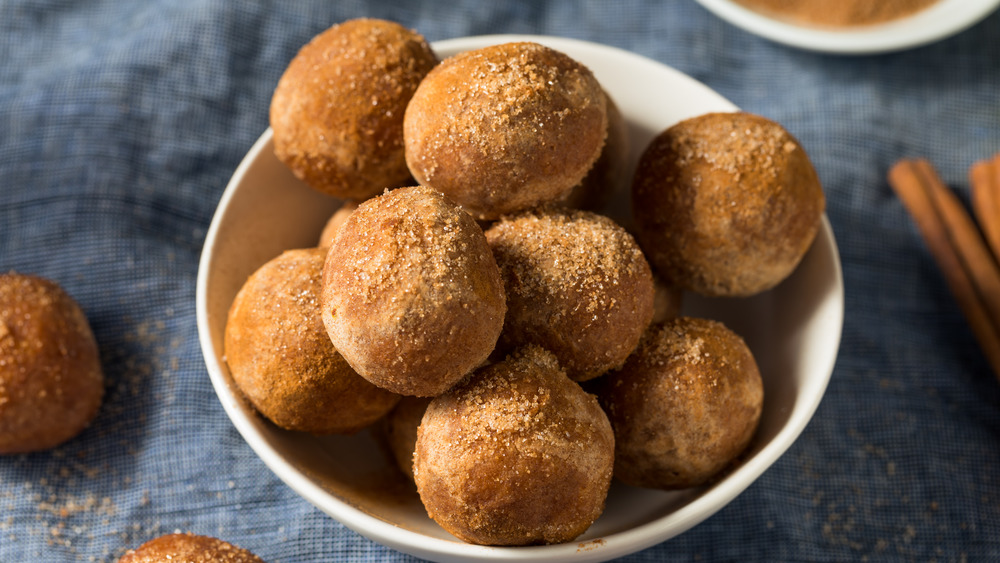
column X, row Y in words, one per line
column 282, row 359
column 726, row 204
column 337, row 111
column 51, row 382
column 517, row 454
column 577, row 284
column 174, row 548
column 505, row 128
column 412, row 296
column 684, row 406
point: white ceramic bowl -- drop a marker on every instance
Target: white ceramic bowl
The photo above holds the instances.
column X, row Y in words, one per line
column 793, row 330
column 940, row 20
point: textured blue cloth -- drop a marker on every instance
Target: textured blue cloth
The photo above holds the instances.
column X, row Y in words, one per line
column 121, row 122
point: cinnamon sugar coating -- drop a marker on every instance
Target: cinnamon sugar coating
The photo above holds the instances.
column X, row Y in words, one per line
column 412, row 295
column 51, row 381
column 577, row 284
column 189, row 548
column 517, row 454
column 837, row 13
column 505, row 128
column 684, row 406
column 337, row 111
column 726, row 204
column 282, row 359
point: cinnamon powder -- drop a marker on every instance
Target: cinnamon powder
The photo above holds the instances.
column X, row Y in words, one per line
column 837, row 13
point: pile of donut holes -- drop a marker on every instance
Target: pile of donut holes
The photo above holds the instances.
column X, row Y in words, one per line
column 518, row 347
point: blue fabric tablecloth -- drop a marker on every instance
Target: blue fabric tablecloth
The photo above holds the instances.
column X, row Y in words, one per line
column 121, row 123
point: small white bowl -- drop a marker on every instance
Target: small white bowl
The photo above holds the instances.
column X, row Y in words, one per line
column 939, row 20
column 794, row 331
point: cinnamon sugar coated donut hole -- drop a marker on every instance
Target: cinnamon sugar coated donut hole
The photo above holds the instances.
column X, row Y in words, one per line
column 51, row 381
column 281, row 357
column 337, row 111
column 505, row 128
column 188, row 548
column 518, row 454
column 412, row 296
column 726, row 204
column 577, row 284
column 684, row 406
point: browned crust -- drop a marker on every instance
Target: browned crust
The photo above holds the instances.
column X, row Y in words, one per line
column 51, row 382
column 337, row 111
column 684, row 406
column 189, row 548
column 726, row 204
column 577, row 284
column 518, row 454
column 412, row 296
column 281, row 358
column 505, row 128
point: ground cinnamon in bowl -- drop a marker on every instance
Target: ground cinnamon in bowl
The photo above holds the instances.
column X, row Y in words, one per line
column 837, row 13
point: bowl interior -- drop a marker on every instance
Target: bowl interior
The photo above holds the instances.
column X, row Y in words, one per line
column 794, row 331
column 939, row 20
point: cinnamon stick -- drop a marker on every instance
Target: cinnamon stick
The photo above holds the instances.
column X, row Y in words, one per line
column 969, row 268
column 984, row 176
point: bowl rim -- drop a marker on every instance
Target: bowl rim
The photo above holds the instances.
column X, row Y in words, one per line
column 415, row 543
column 942, row 19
